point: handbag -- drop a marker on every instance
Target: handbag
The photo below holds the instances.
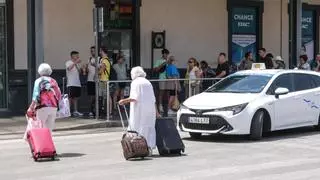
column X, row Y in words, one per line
column 64, row 108
column 176, row 102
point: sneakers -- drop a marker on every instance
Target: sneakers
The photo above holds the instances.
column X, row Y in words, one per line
column 77, row 114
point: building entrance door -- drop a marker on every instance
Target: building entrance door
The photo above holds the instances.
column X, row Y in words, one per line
column 3, row 58
column 118, row 34
column 118, row 42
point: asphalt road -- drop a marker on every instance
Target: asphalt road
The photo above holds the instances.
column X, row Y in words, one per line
column 96, row 155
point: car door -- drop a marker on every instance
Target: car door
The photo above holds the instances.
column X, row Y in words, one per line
column 284, row 105
column 304, row 86
column 316, row 79
column 306, row 93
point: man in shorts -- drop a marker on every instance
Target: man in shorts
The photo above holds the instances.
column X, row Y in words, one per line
column 91, row 86
column 159, row 67
column 73, row 81
column 104, row 76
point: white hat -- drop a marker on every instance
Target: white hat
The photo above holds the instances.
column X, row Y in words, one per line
column 278, row 58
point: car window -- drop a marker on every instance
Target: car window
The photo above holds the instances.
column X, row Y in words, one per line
column 241, row 84
column 284, row 81
column 316, row 80
column 303, row 82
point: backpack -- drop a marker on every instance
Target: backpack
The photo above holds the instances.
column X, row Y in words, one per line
column 47, row 96
column 112, row 74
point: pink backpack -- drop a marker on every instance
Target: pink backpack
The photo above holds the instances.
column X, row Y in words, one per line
column 48, row 96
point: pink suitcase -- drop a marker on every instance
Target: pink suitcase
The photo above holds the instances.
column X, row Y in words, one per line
column 41, row 143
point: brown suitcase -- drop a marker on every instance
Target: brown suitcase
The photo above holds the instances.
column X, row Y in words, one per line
column 133, row 144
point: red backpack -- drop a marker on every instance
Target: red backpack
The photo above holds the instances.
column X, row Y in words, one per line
column 47, row 97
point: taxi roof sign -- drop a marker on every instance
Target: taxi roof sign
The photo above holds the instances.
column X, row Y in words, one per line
column 258, row 66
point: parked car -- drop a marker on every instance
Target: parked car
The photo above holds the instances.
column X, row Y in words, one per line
column 253, row 102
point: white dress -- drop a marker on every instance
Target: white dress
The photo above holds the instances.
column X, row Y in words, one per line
column 142, row 112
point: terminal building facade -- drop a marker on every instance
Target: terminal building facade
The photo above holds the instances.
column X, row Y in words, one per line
column 200, row 29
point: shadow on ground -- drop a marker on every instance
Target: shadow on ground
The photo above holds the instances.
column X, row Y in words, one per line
column 267, row 137
column 70, row 155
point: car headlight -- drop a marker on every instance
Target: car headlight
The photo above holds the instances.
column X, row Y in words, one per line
column 183, row 107
column 235, row 109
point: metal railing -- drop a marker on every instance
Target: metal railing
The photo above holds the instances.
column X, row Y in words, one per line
column 185, row 82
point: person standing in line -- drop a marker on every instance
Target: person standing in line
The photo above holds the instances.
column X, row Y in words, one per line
column 315, row 64
column 121, row 70
column 193, row 74
column 73, row 81
column 222, row 70
column 265, row 59
column 207, row 72
column 173, row 86
column 104, row 77
column 91, row 84
column 304, row 63
column 247, row 62
column 160, row 67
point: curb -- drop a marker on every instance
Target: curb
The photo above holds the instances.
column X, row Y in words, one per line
column 96, row 125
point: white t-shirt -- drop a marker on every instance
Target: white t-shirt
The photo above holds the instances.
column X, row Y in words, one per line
column 73, row 76
column 91, row 69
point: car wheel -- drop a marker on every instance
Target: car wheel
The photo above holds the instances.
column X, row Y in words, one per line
column 256, row 129
column 195, row 135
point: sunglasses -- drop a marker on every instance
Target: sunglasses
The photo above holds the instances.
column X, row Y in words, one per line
column 190, row 62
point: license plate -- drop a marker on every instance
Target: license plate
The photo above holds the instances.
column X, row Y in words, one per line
column 199, row 120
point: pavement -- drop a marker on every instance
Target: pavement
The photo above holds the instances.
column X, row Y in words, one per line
column 17, row 125
column 97, row 154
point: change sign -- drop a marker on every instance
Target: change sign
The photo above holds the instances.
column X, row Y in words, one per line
column 307, row 30
column 244, row 32
column 244, row 20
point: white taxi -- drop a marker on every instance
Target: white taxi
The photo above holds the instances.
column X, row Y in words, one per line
column 252, row 102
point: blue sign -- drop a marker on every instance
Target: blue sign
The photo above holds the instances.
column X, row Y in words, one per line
column 244, row 33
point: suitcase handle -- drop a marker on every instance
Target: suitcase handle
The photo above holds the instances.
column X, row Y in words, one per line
column 121, row 117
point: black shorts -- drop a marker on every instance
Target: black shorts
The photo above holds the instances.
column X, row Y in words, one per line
column 74, row 92
column 91, row 88
column 172, row 92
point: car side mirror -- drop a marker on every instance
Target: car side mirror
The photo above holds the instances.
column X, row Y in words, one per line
column 281, row 91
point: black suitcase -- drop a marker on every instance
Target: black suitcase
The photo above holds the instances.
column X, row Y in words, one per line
column 169, row 141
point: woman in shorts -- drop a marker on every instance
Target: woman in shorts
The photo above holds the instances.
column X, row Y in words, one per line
column 121, row 70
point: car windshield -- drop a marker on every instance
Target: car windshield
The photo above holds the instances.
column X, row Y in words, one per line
column 241, row 84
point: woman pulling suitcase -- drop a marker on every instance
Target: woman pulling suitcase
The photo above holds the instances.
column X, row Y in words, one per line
column 142, row 107
column 43, row 110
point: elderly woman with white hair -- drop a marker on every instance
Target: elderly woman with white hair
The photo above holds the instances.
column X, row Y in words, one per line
column 45, row 97
column 142, row 107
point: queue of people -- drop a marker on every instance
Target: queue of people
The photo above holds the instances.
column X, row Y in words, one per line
column 107, row 70
column 197, row 74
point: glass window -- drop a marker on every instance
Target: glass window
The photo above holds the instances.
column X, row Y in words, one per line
column 241, row 84
column 117, row 37
column 303, row 82
column 316, row 80
column 284, row 81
